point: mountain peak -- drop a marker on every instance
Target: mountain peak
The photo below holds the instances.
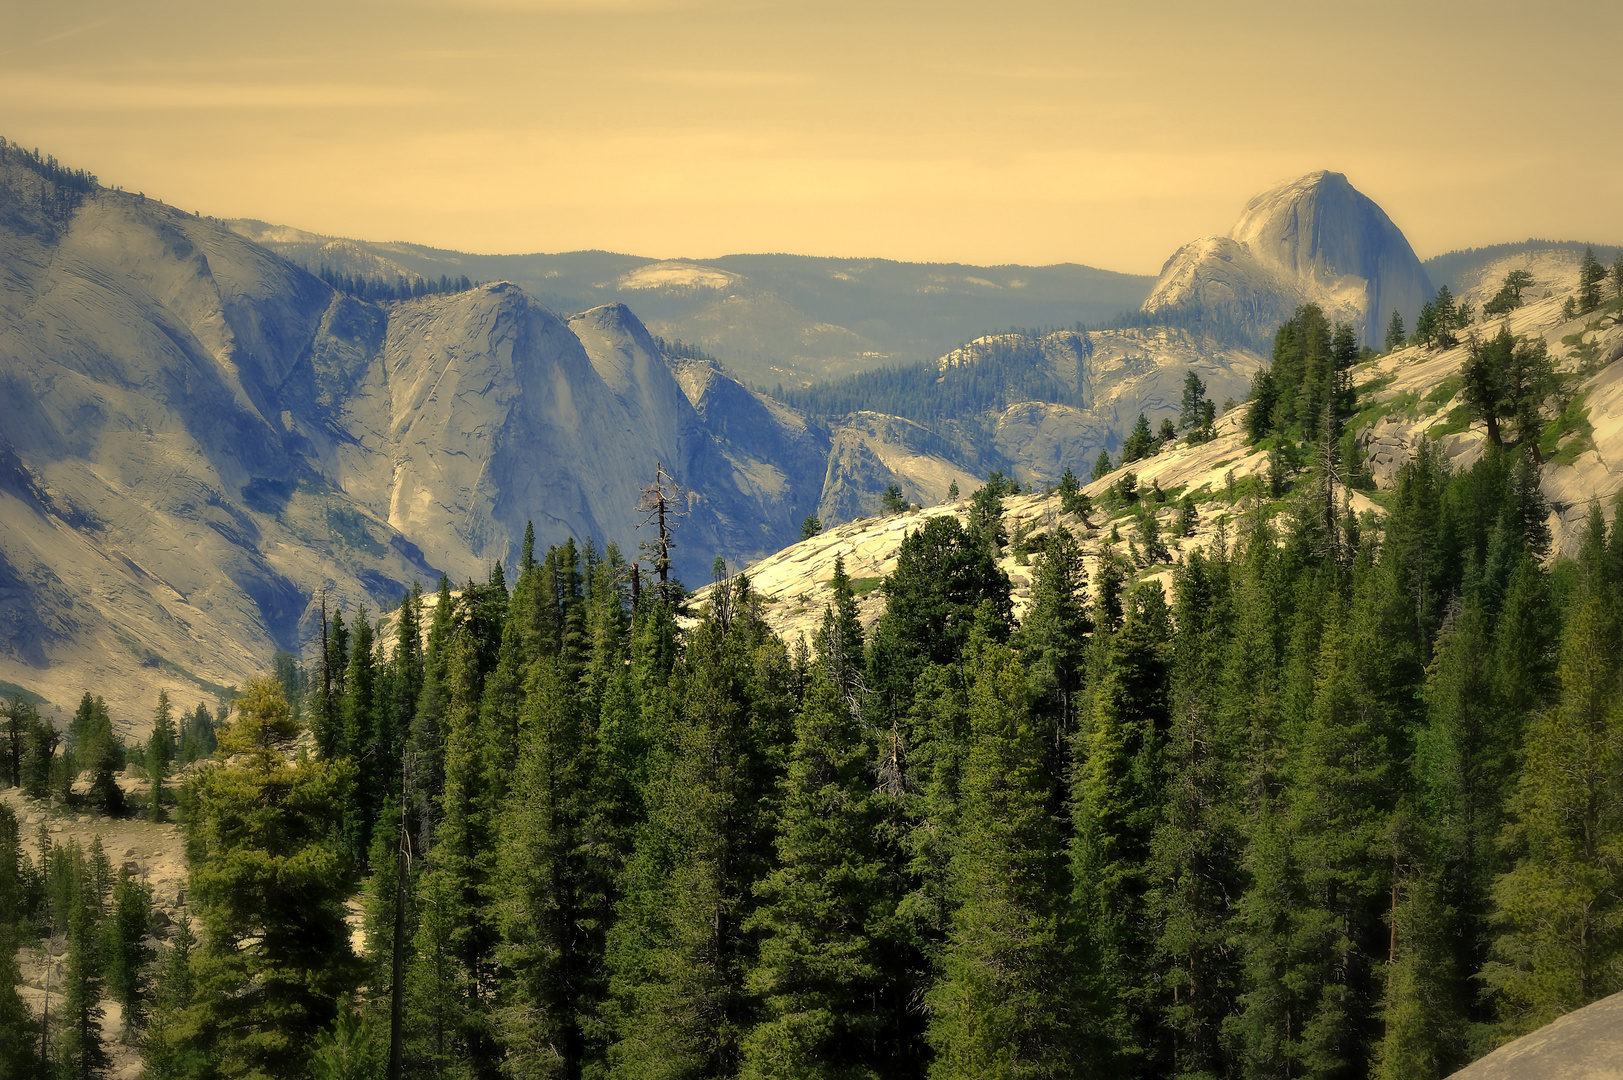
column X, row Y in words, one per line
column 1308, row 239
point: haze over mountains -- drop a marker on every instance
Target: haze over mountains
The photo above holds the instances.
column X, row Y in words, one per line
column 769, row 318
column 198, row 436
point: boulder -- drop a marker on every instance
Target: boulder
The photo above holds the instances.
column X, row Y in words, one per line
column 1582, row 1045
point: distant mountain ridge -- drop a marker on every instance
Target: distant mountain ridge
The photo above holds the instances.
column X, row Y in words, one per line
column 770, row 318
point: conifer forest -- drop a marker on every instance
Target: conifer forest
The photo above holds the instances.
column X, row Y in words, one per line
column 1336, row 796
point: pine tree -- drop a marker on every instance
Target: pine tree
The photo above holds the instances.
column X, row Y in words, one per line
column 351, row 1049
column 424, row 764
column 1591, row 274
column 1072, row 500
column 79, row 1051
column 1006, row 1005
column 198, row 739
column 19, row 1032
column 839, row 643
column 268, row 881
column 547, row 938
column 13, row 869
column 1140, row 443
column 1423, row 1022
column 1394, row 331
column 677, row 951
column 1195, row 851
column 819, row 971
column 1192, row 414
column 160, row 752
column 1116, row 801
column 1053, row 642
column 1509, row 296
column 327, row 720
column 1445, row 314
column 126, row 952
column 458, row 871
column 1102, row 466
column 943, row 574
column 1345, row 788
column 358, row 740
column 162, row 1056
column 1559, row 908
column 95, row 749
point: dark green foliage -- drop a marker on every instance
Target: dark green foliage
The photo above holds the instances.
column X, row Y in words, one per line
column 1196, row 850
column 942, row 575
column 1509, row 296
column 677, row 951
column 1394, row 331
column 162, row 745
column 79, row 1051
column 544, row 885
column 125, row 949
column 1125, row 489
column 1591, row 275
column 1308, row 387
column 352, row 1049
column 163, row 1056
column 94, row 749
column 1440, row 320
column 19, row 1032
column 366, row 287
column 1116, row 799
column 986, row 515
column 1072, row 499
column 1154, row 549
column 197, row 737
column 268, row 881
column 824, row 911
column 1006, row 1002
column 1052, row 642
column 1336, row 812
column 1188, row 517
column 29, row 748
column 1140, row 443
column 1102, row 467
column 1558, row 910
column 1506, row 382
column 811, row 526
column 1196, row 414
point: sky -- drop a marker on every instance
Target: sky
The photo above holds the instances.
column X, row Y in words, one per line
column 986, row 132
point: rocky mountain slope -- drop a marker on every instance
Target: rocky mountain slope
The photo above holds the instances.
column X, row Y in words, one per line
column 1314, row 239
column 1406, row 396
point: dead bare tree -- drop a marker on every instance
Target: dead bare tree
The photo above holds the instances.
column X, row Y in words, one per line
column 659, row 507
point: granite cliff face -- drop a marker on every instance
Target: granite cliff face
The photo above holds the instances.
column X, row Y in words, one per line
column 197, row 438
column 1105, row 379
column 1314, row 239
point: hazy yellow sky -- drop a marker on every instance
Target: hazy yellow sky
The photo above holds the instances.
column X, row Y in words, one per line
column 978, row 132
